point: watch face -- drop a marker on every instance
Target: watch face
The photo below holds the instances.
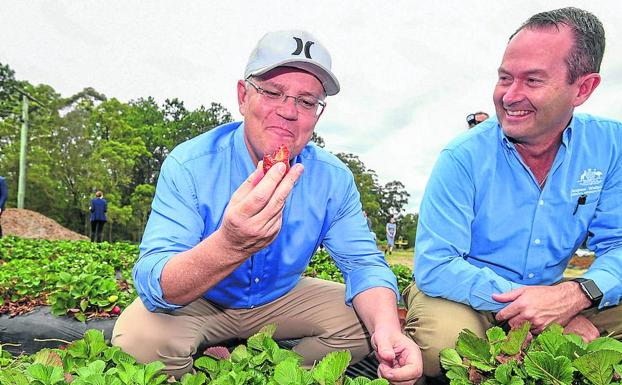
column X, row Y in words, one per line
column 592, row 290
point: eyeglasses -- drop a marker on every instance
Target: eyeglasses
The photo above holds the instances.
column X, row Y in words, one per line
column 308, row 104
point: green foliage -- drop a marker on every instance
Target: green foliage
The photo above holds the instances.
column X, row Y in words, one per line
column 77, row 278
column 322, row 266
column 380, row 202
column 88, row 142
column 91, row 361
column 551, row 358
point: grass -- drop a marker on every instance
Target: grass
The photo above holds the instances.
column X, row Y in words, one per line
column 405, row 257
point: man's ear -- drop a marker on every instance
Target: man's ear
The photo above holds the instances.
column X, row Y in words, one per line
column 587, row 84
column 242, row 91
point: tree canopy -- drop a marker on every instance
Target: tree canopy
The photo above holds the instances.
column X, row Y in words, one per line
column 88, row 142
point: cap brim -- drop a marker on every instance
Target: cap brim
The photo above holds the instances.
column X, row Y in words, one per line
column 328, row 80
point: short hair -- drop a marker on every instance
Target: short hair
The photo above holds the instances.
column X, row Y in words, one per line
column 99, row 194
column 587, row 51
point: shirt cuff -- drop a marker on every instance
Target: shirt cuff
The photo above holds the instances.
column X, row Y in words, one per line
column 147, row 282
column 362, row 279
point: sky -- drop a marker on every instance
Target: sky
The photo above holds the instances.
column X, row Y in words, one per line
column 410, row 71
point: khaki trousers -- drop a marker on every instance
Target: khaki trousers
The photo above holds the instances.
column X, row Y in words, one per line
column 434, row 324
column 314, row 311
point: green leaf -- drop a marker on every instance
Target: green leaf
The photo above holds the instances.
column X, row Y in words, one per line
column 618, row 369
column 47, row 375
column 209, row 365
column 239, row 354
column 597, row 366
column 13, row 377
column 331, row 367
column 495, row 334
column 503, row 375
column 450, row 358
column 470, row 346
column 193, row 379
column 552, row 340
column 552, row 370
column 287, row 373
column 516, row 339
column 605, row 343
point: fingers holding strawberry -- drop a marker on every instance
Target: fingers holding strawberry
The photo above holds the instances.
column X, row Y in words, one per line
column 253, row 217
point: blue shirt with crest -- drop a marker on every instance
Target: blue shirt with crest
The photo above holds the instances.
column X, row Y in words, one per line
column 486, row 226
column 194, row 187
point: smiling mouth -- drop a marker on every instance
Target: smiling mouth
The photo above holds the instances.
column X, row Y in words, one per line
column 517, row 113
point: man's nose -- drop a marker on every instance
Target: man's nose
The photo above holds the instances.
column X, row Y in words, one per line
column 513, row 93
column 288, row 109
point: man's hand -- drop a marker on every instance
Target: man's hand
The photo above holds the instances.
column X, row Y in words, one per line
column 251, row 222
column 542, row 305
column 254, row 215
column 582, row 326
column 399, row 357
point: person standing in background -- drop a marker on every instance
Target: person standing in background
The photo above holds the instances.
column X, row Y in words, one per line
column 4, row 194
column 391, row 230
column 98, row 209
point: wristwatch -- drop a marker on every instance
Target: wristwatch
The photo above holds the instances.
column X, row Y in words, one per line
column 591, row 291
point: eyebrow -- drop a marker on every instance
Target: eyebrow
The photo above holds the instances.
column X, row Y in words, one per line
column 535, row 71
column 281, row 88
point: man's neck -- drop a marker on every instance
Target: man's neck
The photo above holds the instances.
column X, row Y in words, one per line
column 539, row 157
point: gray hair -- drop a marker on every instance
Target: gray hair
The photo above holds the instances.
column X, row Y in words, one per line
column 587, row 51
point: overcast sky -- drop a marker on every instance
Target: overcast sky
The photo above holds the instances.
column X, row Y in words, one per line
column 410, row 71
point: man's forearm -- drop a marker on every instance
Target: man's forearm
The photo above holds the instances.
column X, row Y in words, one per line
column 377, row 308
column 188, row 275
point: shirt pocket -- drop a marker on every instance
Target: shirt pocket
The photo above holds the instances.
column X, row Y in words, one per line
column 578, row 218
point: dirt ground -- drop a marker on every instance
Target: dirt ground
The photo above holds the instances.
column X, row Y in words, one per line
column 30, row 224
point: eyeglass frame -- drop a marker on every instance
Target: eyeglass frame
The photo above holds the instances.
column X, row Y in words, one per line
column 283, row 98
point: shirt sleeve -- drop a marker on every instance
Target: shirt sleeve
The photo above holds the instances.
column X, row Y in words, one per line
column 606, row 227
column 174, row 226
column 353, row 249
column 444, row 239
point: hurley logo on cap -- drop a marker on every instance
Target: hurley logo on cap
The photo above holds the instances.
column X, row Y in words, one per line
column 299, row 46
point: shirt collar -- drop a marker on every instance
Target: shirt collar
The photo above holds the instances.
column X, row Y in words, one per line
column 566, row 135
column 242, row 157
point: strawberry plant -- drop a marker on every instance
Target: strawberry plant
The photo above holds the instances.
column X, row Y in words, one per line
column 91, row 361
column 551, row 358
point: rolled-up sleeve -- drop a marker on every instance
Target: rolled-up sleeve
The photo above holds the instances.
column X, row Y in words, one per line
column 606, row 241
column 175, row 225
column 444, row 239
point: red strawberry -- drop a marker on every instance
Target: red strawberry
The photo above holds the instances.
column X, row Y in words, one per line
column 280, row 155
column 116, row 310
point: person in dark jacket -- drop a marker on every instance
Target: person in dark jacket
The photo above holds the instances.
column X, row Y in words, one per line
column 98, row 209
column 4, row 194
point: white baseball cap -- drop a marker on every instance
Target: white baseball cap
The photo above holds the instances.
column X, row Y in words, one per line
column 297, row 49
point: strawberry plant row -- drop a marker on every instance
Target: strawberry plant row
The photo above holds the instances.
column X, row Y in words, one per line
column 76, row 278
column 550, row 358
column 91, row 361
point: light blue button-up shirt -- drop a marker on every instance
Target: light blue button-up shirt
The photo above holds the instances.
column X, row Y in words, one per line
column 486, row 227
column 195, row 185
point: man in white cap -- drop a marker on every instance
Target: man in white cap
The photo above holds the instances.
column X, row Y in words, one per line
column 226, row 245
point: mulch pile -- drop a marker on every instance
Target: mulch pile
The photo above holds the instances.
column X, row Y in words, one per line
column 30, row 224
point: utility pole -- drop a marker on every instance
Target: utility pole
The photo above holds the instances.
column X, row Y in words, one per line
column 23, row 145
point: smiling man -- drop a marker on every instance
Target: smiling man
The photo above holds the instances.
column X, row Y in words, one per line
column 226, row 246
column 510, row 201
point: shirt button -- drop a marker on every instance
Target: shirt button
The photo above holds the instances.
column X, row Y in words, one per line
column 530, row 275
column 252, row 306
column 537, row 241
column 541, row 202
column 256, row 280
